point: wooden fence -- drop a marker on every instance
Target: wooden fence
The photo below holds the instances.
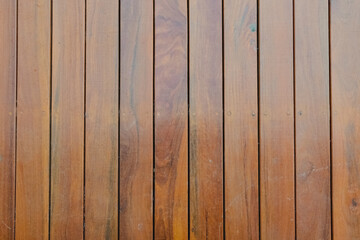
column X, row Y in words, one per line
column 180, row 119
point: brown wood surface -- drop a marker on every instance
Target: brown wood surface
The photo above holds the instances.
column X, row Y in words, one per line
column 171, row 120
column 241, row 120
column 67, row 123
column 313, row 200
column 101, row 141
column 276, row 120
column 206, row 120
column 345, row 72
column 33, row 120
column 7, row 116
column 136, row 119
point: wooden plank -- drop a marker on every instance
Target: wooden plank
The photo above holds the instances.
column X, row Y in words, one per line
column 206, row 120
column 171, row 121
column 136, row 119
column 345, row 72
column 101, row 142
column 241, row 121
column 277, row 218
column 67, row 133
column 33, row 121
column 7, row 116
column 313, row 200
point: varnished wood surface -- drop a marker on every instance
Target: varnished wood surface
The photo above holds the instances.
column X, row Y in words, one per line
column 101, row 133
column 33, row 120
column 171, row 120
column 67, row 123
column 277, row 208
column 136, row 120
column 313, row 200
column 345, row 89
column 176, row 119
column 7, row 117
column 206, row 120
column 241, row 120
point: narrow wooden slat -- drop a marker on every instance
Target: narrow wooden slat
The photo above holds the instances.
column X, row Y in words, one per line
column 241, row 121
column 101, row 142
column 67, row 123
column 136, row 119
column 7, row 116
column 206, row 120
column 171, row 122
column 345, row 72
column 33, row 121
column 313, row 200
column 276, row 120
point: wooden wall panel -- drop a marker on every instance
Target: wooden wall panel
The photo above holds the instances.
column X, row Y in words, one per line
column 101, row 141
column 171, row 120
column 67, row 123
column 241, row 121
column 345, row 72
column 276, row 120
column 206, row 120
column 313, row 200
column 7, row 116
column 136, row 119
column 33, row 121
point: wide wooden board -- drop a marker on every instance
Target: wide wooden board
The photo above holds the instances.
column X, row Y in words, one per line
column 206, row 120
column 136, row 119
column 277, row 203
column 67, row 123
column 33, row 119
column 101, row 132
column 171, row 120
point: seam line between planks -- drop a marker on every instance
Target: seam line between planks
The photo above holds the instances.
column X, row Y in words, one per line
column 331, row 122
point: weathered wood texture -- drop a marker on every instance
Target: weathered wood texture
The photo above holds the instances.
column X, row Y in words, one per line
column 101, row 133
column 276, row 120
column 241, row 120
column 345, row 88
column 136, row 120
column 206, row 120
column 7, row 116
column 67, row 123
column 171, row 120
column 313, row 200
column 33, row 120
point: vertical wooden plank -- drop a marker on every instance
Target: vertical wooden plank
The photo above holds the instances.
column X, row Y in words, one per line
column 345, row 72
column 101, row 142
column 241, row 122
column 171, row 122
column 171, row 153
column 33, row 121
column 7, row 116
column 206, row 120
column 136, row 119
column 67, row 133
column 276, row 120
column 313, row 200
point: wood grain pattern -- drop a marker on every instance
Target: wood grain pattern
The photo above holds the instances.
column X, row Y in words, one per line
column 7, row 116
column 345, row 72
column 101, row 142
column 276, row 120
column 33, row 121
column 313, row 200
column 136, row 119
column 67, row 123
column 171, row 120
column 241, row 121
column 206, row 120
